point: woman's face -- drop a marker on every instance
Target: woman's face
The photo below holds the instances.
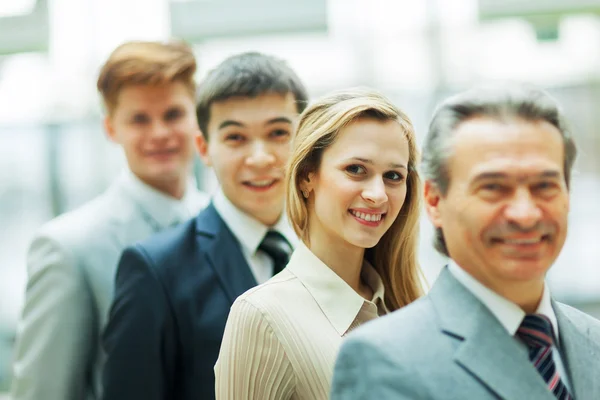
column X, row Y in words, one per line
column 360, row 187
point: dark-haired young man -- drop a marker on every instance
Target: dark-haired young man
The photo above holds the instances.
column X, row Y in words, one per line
column 174, row 290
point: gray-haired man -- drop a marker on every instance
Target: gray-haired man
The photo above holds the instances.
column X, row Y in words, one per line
column 497, row 163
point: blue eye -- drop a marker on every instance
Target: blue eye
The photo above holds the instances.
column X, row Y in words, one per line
column 355, row 169
column 394, row 176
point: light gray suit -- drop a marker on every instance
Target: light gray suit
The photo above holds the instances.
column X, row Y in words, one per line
column 71, row 267
column 448, row 345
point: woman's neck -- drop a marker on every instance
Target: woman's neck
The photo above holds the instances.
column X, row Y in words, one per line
column 345, row 260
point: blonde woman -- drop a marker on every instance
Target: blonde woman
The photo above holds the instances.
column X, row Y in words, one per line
column 353, row 197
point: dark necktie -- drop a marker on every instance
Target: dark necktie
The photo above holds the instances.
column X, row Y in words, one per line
column 278, row 248
column 536, row 331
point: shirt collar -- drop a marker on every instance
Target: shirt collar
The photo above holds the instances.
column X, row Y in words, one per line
column 508, row 313
column 248, row 231
column 166, row 210
column 338, row 301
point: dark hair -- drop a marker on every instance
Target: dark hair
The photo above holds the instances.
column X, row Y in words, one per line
column 249, row 75
column 498, row 102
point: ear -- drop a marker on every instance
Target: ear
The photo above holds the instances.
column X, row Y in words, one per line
column 306, row 185
column 202, row 147
column 432, row 197
column 110, row 129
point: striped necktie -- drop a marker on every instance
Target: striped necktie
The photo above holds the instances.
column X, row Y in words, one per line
column 278, row 248
column 536, row 331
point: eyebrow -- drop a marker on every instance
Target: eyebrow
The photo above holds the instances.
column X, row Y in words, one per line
column 277, row 120
column 367, row 161
column 501, row 175
column 175, row 107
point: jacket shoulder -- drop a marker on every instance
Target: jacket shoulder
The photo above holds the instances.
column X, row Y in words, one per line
column 78, row 225
column 169, row 247
column 413, row 323
column 584, row 322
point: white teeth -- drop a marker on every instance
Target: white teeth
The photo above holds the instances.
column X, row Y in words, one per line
column 523, row 241
column 367, row 217
column 261, row 183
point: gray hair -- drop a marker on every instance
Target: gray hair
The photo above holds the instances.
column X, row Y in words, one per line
column 499, row 102
column 248, row 74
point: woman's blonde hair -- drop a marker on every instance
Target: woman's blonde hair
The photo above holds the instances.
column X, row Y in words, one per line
column 395, row 256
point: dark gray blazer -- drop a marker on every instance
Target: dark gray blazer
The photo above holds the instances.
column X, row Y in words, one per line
column 173, row 293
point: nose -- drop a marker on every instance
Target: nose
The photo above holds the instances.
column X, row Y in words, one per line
column 523, row 209
column 260, row 156
column 375, row 193
column 160, row 130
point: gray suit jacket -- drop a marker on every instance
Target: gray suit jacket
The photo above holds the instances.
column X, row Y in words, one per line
column 448, row 345
column 71, row 266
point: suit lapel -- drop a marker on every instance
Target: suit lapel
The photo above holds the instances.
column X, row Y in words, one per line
column 497, row 360
column 580, row 355
column 485, row 349
column 224, row 253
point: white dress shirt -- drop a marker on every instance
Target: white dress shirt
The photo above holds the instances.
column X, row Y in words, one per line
column 282, row 337
column 509, row 314
column 164, row 209
column 249, row 232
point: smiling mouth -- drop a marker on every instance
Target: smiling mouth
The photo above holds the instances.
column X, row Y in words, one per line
column 262, row 184
column 367, row 217
column 522, row 242
column 162, row 152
